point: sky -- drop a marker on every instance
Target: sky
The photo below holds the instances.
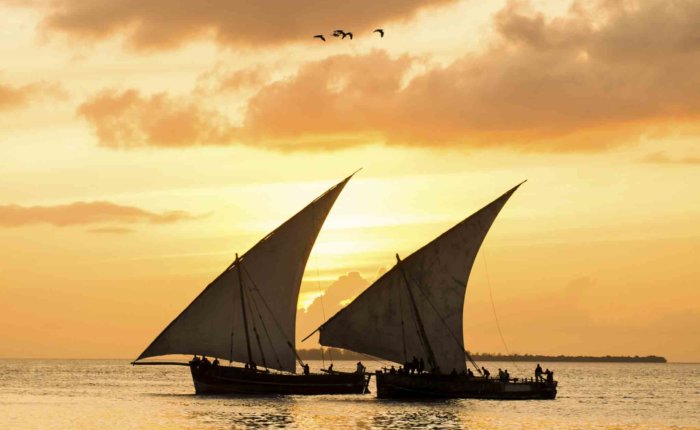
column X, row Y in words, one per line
column 143, row 144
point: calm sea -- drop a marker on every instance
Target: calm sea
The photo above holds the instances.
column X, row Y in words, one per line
column 111, row 394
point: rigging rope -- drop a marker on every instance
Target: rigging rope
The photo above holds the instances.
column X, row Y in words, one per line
column 323, row 311
column 274, row 318
column 493, row 307
column 454, row 337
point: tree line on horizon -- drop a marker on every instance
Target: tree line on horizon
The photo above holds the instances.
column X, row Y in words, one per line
column 342, row 354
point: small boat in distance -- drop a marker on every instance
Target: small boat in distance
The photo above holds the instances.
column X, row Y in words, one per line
column 413, row 315
column 248, row 315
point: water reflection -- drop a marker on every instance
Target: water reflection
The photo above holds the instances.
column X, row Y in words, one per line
column 419, row 418
column 241, row 413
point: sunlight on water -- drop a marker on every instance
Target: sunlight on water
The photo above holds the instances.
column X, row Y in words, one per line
column 111, row 394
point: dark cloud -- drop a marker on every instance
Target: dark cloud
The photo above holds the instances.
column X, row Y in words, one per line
column 160, row 24
column 596, row 77
column 552, row 84
column 128, row 119
column 84, row 213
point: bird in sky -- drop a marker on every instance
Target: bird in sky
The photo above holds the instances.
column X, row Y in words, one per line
column 338, row 33
column 347, row 34
column 320, row 36
column 380, row 31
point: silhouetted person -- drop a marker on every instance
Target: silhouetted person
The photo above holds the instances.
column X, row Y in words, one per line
column 205, row 361
column 195, row 360
column 401, row 371
column 538, row 372
column 306, row 369
column 216, row 361
column 392, row 370
column 360, row 368
column 453, row 373
column 421, row 365
column 380, row 31
column 506, row 375
column 470, row 374
column 330, row 368
column 487, row 374
column 550, row 376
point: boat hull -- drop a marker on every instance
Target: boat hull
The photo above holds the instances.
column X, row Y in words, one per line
column 235, row 380
column 395, row 386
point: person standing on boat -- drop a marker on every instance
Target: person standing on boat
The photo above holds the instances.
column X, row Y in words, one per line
column 538, row 372
column 360, row 368
column 486, row 373
column 330, row 369
column 306, row 368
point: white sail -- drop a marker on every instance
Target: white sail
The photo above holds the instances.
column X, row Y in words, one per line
column 271, row 273
column 382, row 321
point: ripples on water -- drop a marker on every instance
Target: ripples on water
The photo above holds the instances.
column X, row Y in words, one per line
column 111, row 394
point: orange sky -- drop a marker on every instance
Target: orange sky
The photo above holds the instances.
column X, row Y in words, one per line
column 142, row 145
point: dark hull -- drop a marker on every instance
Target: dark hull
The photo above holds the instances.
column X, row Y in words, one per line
column 395, row 386
column 234, row 380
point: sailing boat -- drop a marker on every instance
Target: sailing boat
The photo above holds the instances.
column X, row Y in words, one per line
column 413, row 315
column 248, row 315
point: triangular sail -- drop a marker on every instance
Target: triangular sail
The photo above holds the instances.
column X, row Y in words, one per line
column 381, row 322
column 270, row 274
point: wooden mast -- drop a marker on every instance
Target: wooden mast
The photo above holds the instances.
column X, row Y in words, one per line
column 245, row 317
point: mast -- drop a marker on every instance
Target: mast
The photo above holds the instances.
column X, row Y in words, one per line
column 419, row 321
column 245, row 316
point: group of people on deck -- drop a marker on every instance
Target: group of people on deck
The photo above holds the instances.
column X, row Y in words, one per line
column 415, row 366
column 204, row 361
column 549, row 375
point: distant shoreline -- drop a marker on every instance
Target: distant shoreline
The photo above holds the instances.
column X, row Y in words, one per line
column 340, row 354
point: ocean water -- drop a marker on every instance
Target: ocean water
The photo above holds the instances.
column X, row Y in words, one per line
column 111, row 394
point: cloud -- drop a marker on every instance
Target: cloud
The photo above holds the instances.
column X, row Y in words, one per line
column 161, row 24
column 336, row 296
column 596, row 77
column 128, row 119
column 663, row 158
column 84, row 213
column 111, row 230
column 15, row 97
column 545, row 84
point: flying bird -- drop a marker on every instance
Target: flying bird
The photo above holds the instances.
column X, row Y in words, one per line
column 347, row 34
column 380, row 31
column 338, row 33
column 320, row 36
